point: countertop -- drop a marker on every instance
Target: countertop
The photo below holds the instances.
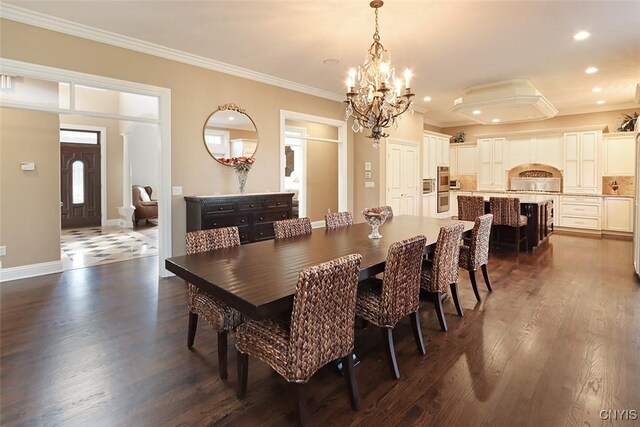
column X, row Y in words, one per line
column 540, row 193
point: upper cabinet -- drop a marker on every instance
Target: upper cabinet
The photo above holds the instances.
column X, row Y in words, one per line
column 435, row 152
column 492, row 168
column 463, row 159
column 618, row 154
column 581, row 162
column 534, row 149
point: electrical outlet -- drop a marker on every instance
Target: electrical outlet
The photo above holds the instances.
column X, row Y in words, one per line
column 3, row 250
column 176, row 191
column 367, row 175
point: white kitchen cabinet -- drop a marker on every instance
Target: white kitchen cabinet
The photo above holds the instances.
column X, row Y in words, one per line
column 492, row 172
column 580, row 212
column 435, row 152
column 547, row 150
column 581, row 162
column 463, row 159
column 618, row 154
column 430, row 205
column 618, row 214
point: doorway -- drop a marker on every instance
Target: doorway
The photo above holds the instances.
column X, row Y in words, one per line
column 403, row 193
column 80, row 179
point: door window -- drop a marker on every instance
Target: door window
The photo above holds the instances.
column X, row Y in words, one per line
column 77, row 179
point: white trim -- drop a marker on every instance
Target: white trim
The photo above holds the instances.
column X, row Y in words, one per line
column 64, row 26
column 31, row 270
column 318, row 224
column 432, row 133
column 543, row 132
column 302, row 194
column 103, row 164
column 164, row 122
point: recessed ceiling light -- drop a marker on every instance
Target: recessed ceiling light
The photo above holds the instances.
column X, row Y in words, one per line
column 596, row 89
column 331, row 61
column 496, row 120
column 232, row 118
column 426, row 99
column 476, row 112
column 600, row 102
column 591, row 70
column 581, row 35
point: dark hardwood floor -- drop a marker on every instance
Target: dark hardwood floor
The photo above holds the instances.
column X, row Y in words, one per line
column 555, row 343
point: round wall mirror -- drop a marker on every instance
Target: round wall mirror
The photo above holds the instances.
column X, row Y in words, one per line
column 229, row 132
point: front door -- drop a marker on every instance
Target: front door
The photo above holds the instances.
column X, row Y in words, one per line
column 80, row 185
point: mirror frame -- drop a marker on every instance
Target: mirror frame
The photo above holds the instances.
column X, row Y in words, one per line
column 229, row 107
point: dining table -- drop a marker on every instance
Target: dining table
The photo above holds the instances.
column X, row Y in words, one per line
column 259, row 279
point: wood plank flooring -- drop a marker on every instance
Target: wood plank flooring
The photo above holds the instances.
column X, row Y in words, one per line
column 555, row 343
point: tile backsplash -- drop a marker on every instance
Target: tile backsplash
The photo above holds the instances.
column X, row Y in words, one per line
column 625, row 185
column 467, row 182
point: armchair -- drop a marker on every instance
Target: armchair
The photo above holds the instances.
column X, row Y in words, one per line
column 146, row 208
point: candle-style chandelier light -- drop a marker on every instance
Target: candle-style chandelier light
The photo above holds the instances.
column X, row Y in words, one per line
column 375, row 97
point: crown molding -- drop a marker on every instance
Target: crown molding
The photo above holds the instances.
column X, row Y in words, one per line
column 37, row 19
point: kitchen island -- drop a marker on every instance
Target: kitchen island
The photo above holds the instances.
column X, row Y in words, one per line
column 539, row 212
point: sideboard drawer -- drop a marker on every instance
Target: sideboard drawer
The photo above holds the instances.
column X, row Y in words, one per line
column 217, row 221
column 581, row 209
column 279, row 203
column 251, row 206
column 263, row 232
column 219, row 208
column 271, row 216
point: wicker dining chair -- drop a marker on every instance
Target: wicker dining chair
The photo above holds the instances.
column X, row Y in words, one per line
column 384, row 302
column 292, row 227
column 476, row 254
column 442, row 272
column 338, row 220
column 470, row 207
column 506, row 214
column 217, row 314
column 321, row 330
column 387, row 209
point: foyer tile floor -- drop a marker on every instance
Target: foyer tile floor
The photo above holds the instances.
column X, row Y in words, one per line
column 83, row 247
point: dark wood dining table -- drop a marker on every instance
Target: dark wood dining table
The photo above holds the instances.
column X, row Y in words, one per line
column 259, row 279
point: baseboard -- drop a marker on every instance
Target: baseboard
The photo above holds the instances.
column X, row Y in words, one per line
column 317, row 224
column 31, row 270
column 113, row 222
column 594, row 233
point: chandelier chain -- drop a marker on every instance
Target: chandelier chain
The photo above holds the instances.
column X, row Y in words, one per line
column 376, row 35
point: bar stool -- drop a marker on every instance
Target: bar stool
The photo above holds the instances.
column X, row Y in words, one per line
column 506, row 213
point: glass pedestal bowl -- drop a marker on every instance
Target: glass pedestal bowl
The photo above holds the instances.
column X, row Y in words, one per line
column 375, row 218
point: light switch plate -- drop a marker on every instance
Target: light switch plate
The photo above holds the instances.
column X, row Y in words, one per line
column 176, row 191
column 27, row 166
column 369, row 184
column 367, row 166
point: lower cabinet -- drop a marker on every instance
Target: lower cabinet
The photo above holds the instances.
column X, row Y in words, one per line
column 430, row 205
column 618, row 214
column 581, row 212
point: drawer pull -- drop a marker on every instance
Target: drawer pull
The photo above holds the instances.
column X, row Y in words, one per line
column 242, row 220
column 261, row 234
column 220, row 208
column 215, row 223
column 251, row 205
column 579, row 209
column 277, row 203
column 261, row 218
column 283, row 216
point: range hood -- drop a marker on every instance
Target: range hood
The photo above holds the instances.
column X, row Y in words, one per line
column 508, row 101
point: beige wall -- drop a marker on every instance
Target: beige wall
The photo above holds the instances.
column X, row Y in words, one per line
column 610, row 118
column 322, row 169
column 114, row 158
column 29, row 200
column 195, row 93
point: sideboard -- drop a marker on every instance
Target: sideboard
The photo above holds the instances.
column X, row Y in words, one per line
column 253, row 214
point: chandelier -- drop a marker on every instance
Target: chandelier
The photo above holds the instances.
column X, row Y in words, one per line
column 375, row 97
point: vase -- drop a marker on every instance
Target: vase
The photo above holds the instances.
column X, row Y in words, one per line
column 242, row 178
column 375, row 219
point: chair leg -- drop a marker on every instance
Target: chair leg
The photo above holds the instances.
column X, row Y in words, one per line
column 417, row 332
column 243, row 373
column 350, row 378
column 222, row 354
column 474, row 285
column 486, row 277
column 440, row 312
column 193, row 325
column 456, row 300
column 300, row 396
column 387, row 335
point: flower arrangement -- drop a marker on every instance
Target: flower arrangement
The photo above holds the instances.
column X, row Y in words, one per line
column 459, row 138
column 242, row 166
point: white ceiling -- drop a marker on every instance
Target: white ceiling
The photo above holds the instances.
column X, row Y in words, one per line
column 450, row 45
